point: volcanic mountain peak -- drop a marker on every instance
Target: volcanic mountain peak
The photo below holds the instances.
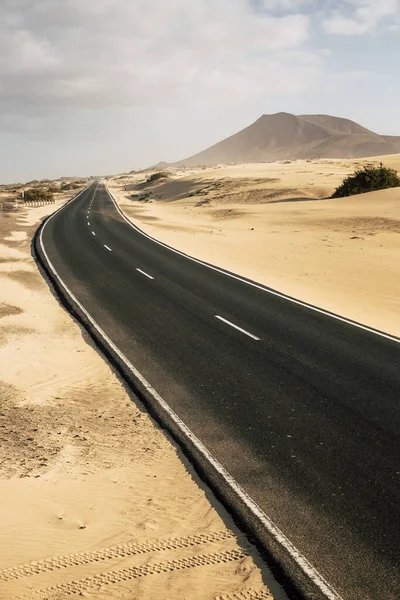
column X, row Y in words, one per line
column 286, row 136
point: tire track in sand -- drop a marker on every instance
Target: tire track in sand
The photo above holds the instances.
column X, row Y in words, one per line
column 118, row 551
column 249, row 594
column 119, row 576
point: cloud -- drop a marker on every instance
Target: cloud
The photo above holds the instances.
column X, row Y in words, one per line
column 361, row 16
column 101, row 53
column 285, row 5
column 354, row 76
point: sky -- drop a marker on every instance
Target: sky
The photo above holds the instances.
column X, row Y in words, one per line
column 95, row 87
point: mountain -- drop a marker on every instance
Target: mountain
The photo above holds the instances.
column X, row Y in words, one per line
column 283, row 136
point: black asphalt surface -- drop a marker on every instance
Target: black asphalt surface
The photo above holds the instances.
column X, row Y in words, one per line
column 306, row 419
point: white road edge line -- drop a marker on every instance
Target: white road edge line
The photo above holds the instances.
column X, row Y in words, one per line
column 291, row 549
column 109, row 249
column 238, row 328
column 143, row 273
column 256, row 285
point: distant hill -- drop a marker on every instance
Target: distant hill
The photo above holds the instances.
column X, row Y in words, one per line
column 283, row 136
column 158, row 167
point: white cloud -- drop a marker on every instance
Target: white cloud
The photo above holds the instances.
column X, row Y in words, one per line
column 289, row 5
column 353, row 76
column 361, row 16
column 97, row 53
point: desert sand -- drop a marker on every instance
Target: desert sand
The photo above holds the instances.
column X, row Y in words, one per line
column 274, row 223
column 95, row 499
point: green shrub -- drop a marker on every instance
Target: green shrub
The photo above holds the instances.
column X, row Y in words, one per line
column 54, row 189
column 72, row 185
column 368, row 179
column 38, row 195
column 156, row 176
column 144, row 197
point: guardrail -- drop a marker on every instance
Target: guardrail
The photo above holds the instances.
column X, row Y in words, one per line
column 10, row 206
column 38, row 202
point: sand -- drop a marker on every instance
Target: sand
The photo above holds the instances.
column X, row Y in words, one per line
column 275, row 224
column 95, row 499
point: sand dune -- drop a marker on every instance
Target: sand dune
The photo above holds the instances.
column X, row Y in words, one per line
column 284, row 136
column 273, row 223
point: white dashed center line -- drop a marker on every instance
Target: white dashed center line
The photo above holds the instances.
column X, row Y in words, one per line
column 93, row 233
column 146, row 274
column 238, row 328
column 109, row 249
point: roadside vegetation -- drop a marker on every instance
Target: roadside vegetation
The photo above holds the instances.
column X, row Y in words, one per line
column 71, row 185
column 39, row 195
column 156, row 176
column 368, row 179
column 53, row 188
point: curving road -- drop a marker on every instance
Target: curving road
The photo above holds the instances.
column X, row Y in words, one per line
column 301, row 408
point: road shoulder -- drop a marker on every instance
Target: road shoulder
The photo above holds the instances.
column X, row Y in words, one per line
column 91, row 488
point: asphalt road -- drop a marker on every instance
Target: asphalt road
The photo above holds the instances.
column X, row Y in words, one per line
column 302, row 409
